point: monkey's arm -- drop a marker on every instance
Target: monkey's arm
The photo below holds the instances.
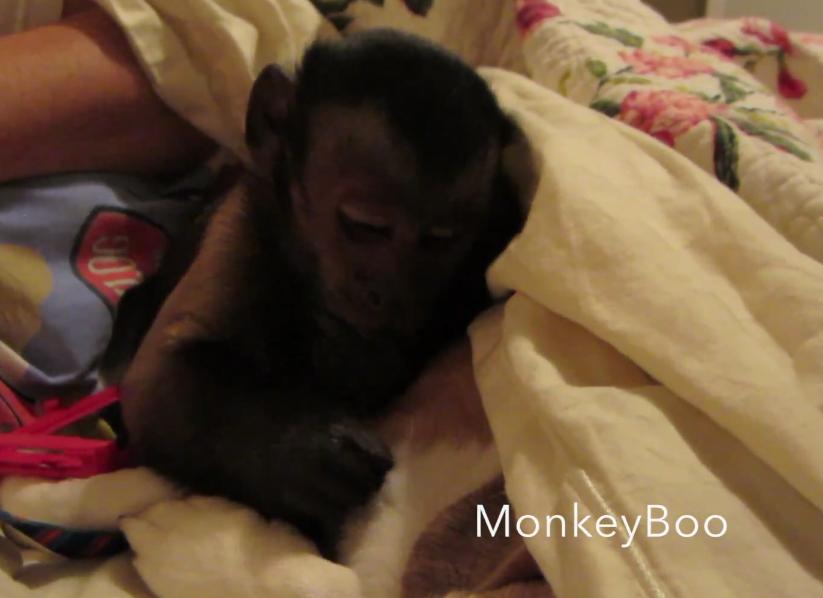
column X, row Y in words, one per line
column 200, row 410
column 286, row 454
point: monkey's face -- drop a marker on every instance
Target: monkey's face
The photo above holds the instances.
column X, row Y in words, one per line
column 385, row 239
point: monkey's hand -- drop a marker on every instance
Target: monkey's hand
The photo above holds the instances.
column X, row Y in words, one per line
column 289, row 454
column 323, row 468
column 310, row 470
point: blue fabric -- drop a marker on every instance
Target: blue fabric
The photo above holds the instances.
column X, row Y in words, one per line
column 70, row 246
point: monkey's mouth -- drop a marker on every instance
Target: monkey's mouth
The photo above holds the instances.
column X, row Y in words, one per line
column 330, row 323
column 339, row 310
column 365, row 370
column 334, row 323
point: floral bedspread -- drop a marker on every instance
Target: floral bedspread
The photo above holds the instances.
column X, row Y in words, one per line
column 731, row 96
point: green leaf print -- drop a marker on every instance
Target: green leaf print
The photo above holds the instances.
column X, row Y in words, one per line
column 597, row 68
column 607, row 107
column 563, row 84
column 632, row 80
column 776, row 139
column 732, row 91
column 725, row 154
column 627, row 38
column 624, row 36
column 763, row 119
column 749, row 50
column 703, row 96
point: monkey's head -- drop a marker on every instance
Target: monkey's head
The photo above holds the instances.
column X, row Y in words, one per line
column 387, row 151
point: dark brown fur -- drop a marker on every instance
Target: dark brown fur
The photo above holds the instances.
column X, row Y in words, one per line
column 321, row 285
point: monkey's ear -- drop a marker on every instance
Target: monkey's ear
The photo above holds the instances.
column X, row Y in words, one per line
column 270, row 104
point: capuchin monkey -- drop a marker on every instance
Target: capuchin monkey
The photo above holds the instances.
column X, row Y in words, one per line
column 318, row 287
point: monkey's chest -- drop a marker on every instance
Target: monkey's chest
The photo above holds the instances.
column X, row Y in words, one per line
column 344, row 369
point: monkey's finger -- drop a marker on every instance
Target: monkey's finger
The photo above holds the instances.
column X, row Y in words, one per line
column 316, row 499
column 355, row 440
column 346, row 481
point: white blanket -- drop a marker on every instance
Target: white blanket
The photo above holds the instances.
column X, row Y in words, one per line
column 725, row 318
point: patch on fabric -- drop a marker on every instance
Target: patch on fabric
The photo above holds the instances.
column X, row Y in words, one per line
column 115, row 250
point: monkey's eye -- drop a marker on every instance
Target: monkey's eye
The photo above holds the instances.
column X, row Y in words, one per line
column 361, row 225
column 439, row 236
column 442, row 233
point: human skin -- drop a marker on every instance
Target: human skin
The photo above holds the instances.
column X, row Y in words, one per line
column 75, row 99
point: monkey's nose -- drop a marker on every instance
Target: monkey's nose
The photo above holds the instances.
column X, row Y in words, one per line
column 374, row 299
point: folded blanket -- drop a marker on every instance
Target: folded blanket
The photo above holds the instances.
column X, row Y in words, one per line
column 203, row 56
column 725, row 318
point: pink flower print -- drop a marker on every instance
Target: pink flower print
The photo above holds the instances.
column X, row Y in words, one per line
column 720, row 46
column 768, row 32
column 670, row 67
column 675, row 41
column 530, row 13
column 790, row 86
column 665, row 114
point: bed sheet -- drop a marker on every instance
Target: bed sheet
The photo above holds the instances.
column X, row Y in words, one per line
column 662, row 345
